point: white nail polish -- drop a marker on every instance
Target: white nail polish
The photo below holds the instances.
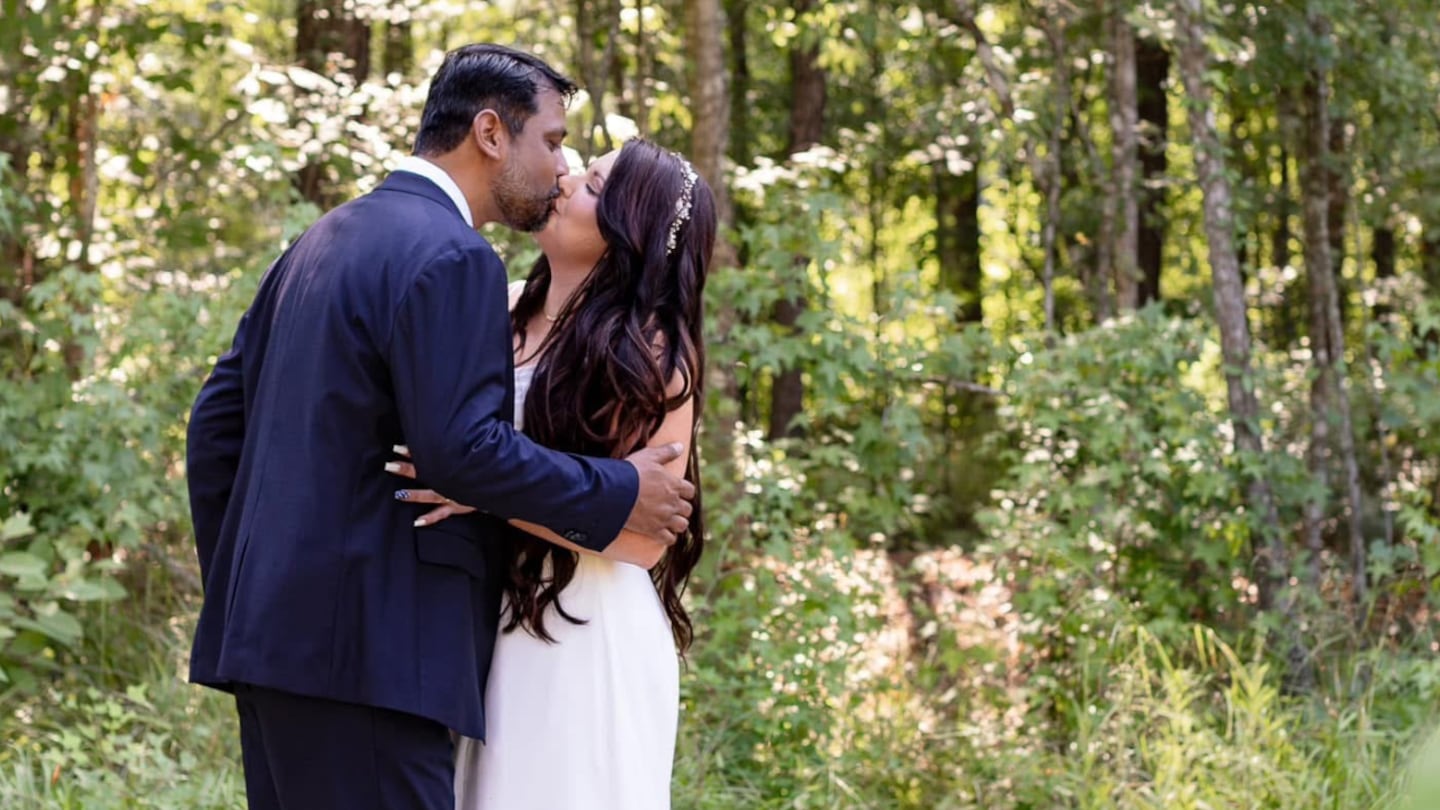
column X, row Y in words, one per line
column 401, row 449
column 392, row 466
column 419, row 522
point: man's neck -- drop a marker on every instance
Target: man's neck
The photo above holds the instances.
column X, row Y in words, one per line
column 471, row 184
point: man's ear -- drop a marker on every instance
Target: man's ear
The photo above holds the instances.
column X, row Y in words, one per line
column 490, row 134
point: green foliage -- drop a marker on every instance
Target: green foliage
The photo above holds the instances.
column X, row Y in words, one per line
column 998, row 569
column 156, row 745
column 1123, row 494
column 1218, row 732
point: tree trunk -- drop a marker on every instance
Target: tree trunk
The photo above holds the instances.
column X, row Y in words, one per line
column 1315, row 185
column 83, row 138
column 1152, row 67
column 1272, row 558
column 82, row 127
column 1382, row 252
column 808, row 91
column 1124, row 152
column 1246, row 175
column 1329, row 397
column 957, row 238
column 624, row 101
column 1047, row 172
column 17, row 262
column 807, row 121
column 1338, row 190
column 1288, row 316
column 709, row 142
column 709, row 99
column 399, row 53
column 1430, row 255
column 326, row 28
column 595, row 71
column 586, row 66
column 330, row 27
column 740, row 142
column 642, row 71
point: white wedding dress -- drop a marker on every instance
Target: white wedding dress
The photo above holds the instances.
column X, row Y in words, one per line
column 588, row 722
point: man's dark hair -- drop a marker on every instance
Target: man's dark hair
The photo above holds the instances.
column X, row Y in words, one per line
column 479, row 77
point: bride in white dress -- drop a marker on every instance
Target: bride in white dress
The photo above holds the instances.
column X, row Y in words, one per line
column 583, row 695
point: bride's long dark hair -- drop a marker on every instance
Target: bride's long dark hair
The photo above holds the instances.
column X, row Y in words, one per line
column 630, row 330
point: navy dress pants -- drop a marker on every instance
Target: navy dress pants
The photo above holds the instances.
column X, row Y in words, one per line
column 303, row 753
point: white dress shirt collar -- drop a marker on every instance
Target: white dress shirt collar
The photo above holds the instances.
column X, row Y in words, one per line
column 441, row 178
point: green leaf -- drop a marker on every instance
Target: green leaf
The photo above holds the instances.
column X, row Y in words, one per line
column 93, row 591
column 58, row 625
column 21, row 564
column 17, row 525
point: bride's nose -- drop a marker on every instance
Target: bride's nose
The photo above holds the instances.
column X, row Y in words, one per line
column 569, row 183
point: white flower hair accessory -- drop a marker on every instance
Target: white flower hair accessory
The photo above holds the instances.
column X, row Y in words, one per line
column 682, row 205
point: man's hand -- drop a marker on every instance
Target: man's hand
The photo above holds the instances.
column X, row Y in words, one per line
column 662, row 509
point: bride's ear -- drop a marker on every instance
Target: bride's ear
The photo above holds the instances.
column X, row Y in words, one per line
column 490, row 135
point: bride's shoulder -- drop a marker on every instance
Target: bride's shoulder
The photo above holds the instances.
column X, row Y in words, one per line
column 516, row 287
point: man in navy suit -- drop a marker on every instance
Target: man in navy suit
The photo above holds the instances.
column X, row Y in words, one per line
column 353, row 640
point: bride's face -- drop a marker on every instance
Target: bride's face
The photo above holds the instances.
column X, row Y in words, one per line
column 572, row 233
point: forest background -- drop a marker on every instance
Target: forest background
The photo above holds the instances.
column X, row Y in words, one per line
column 1071, row 441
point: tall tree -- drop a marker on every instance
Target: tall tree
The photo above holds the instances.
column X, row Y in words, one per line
column 807, row 125
column 1329, row 392
column 741, row 142
column 1338, row 193
column 330, row 28
column 1272, row 558
column 1045, row 164
column 1124, row 152
column 643, row 61
column 957, row 236
column 1152, row 68
column 329, row 38
column 709, row 99
column 595, row 67
column 398, row 52
column 709, row 141
column 1286, row 328
column 1382, row 253
column 1430, row 252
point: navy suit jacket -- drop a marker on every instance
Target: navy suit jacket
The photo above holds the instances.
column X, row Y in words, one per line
column 385, row 323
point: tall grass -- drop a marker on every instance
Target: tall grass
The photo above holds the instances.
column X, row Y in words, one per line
column 1196, row 725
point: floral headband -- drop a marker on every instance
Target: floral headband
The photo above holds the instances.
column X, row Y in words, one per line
column 682, row 205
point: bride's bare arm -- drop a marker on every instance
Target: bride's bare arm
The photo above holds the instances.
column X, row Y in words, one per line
column 678, row 428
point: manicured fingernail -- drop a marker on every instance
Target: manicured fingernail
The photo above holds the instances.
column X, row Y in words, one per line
column 401, row 449
column 419, row 521
column 392, row 466
column 402, row 494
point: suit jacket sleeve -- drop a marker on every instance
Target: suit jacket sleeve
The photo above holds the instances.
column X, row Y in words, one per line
column 451, row 391
column 212, row 448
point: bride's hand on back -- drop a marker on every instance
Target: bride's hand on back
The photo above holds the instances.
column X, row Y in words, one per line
column 444, row 506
